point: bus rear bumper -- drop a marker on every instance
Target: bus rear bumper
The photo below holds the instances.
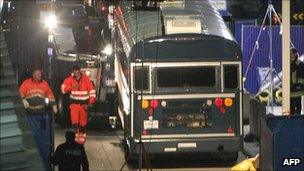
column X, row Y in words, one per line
column 206, row 145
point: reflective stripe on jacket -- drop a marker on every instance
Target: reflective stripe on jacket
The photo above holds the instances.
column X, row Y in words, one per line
column 35, row 92
column 82, row 91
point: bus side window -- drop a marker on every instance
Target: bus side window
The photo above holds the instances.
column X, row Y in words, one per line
column 141, row 78
column 231, row 78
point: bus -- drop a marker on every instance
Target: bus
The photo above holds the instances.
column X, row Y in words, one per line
column 178, row 75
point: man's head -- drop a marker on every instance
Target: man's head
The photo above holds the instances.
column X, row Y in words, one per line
column 294, row 54
column 70, row 136
column 76, row 71
column 37, row 74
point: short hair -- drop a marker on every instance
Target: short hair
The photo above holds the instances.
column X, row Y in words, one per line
column 76, row 67
column 36, row 68
column 70, row 135
column 294, row 50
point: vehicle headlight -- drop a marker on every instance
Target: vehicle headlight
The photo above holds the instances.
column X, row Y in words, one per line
column 51, row 22
column 108, row 50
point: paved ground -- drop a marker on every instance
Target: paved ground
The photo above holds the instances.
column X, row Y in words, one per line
column 105, row 152
column 250, row 148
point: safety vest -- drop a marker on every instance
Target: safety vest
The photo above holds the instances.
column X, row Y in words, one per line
column 36, row 92
column 297, row 79
column 81, row 91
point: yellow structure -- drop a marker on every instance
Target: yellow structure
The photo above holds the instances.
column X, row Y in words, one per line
column 250, row 164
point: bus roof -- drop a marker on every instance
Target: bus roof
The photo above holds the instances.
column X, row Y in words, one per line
column 190, row 47
column 146, row 24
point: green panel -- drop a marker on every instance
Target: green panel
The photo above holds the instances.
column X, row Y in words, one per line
column 8, row 92
column 10, row 130
column 12, row 144
column 7, row 81
column 6, row 105
column 6, row 71
column 7, row 117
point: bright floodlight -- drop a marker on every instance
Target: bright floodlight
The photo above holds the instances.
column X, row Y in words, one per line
column 51, row 22
column 108, row 50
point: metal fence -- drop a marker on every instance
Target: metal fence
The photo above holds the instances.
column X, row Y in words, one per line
column 261, row 55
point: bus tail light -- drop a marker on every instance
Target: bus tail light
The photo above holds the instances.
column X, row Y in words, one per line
column 230, row 130
column 144, row 132
column 144, row 104
column 154, row 103
column 150, row 111
column 218, row 102
column 228, row 102
column 222, row 109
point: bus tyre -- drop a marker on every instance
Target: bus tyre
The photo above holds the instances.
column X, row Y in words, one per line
column 118, row 122
column 63, row 118
column 114, row 102
column 129, row 157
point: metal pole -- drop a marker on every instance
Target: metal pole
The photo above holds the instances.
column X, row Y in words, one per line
column 286, row 57
column 271, row 60
column 52, row 129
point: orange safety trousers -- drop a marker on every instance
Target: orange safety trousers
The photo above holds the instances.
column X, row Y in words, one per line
column 79, row 114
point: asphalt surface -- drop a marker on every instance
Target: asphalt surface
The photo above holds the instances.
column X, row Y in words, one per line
column 104, row 150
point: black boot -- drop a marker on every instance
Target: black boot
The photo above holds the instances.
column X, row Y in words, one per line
column 82, row 129
column 75, row 127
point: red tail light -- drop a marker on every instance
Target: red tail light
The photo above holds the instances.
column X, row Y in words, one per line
column 230, row 130
column 222, row 109
column 218, row 102
column 144, row 132
column 150, row 111
column 154, row 103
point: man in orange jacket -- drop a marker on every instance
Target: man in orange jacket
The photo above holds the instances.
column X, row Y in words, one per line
column 36, row 96
column 82, row 95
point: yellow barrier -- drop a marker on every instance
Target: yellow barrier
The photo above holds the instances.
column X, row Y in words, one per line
column 250, row 164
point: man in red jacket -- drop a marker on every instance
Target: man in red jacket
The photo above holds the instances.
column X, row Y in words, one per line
column 82, row 95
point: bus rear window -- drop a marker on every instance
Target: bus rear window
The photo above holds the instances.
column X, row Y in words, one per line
column 231, row 78
column 141, row 80
column 186, row 77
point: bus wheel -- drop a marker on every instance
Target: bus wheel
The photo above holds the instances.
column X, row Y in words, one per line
column 114, row 118
column 63, row 118
column 129, row 157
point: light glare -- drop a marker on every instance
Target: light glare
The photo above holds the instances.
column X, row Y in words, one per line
column 51, row 22
column 108, row 50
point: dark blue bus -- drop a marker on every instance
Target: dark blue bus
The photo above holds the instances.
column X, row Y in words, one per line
column 178, row 74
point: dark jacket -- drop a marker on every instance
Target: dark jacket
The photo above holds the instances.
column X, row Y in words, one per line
column 297, row 79
column 69, row 156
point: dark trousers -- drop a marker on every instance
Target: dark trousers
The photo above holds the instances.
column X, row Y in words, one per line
column 41, row 125
column 295, row 105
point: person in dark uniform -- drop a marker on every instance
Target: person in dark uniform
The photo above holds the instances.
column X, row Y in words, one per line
column 70, row 155
column 297, row 82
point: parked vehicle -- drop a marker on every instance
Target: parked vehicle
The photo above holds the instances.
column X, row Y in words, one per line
column 178, row 72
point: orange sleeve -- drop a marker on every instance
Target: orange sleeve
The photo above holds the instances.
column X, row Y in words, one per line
column 23, row 89
column 66, row 86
